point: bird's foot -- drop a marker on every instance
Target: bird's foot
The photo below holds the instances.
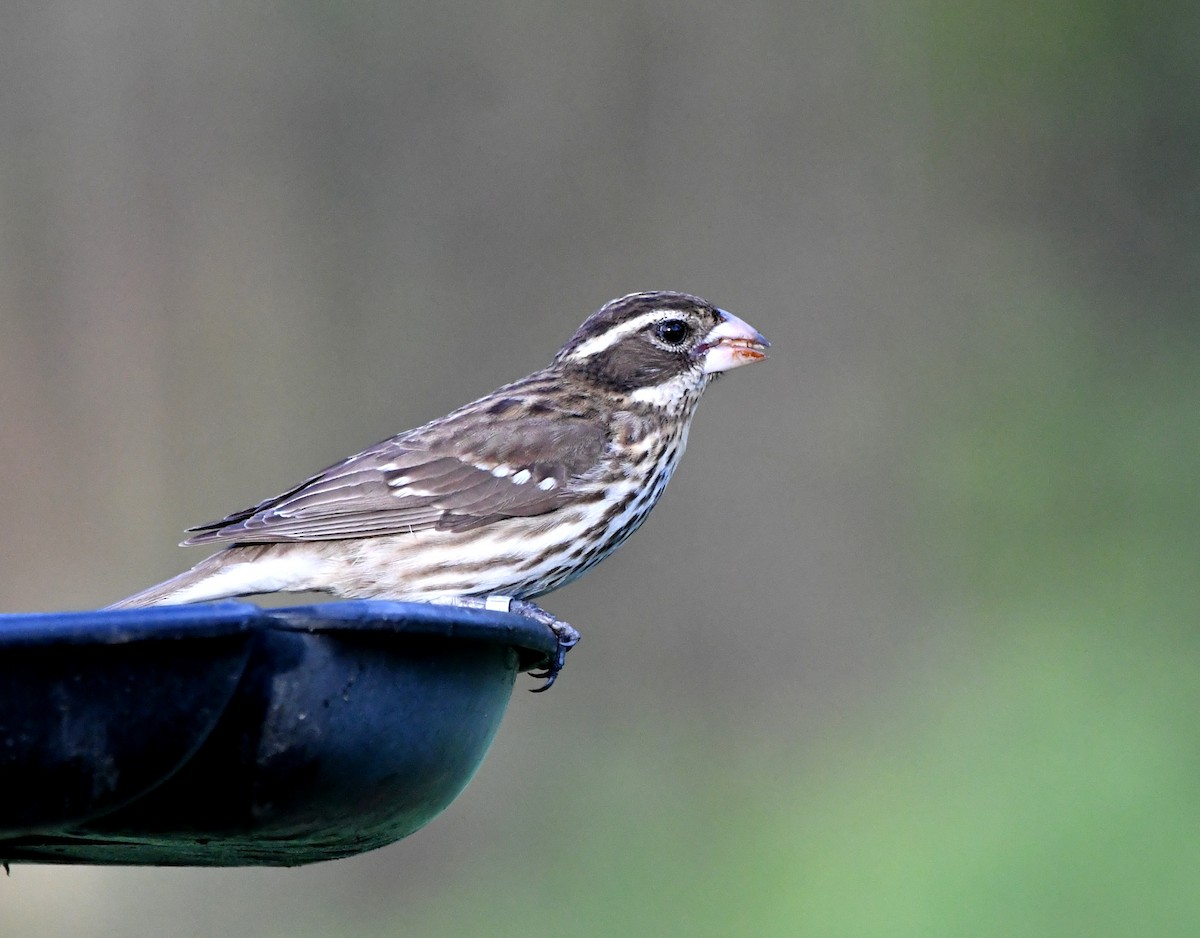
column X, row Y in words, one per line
column 567, row 637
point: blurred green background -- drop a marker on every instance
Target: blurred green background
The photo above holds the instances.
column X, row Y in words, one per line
column 910, row 646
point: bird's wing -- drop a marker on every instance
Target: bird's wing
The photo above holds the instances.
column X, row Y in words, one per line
column 445, row 477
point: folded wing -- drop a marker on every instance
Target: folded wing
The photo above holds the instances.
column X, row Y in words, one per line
column 429, row 478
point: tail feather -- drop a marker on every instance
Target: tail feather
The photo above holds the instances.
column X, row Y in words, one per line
column 172, row 591
column 242, row 570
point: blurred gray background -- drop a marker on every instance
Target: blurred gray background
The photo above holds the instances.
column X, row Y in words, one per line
column 909, row 646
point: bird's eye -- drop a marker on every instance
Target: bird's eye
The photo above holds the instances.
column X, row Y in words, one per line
column 673, row 331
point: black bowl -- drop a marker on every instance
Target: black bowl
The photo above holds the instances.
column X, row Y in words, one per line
column 227, row 734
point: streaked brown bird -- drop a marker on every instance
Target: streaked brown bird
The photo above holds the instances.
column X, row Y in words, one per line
column 500, row 501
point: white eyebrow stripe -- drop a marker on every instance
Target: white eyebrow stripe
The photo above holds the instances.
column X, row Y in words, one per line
column 606, row 340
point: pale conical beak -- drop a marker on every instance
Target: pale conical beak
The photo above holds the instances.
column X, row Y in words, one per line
column 732, row 343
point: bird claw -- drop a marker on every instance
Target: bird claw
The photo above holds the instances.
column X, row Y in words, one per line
column 567, row 637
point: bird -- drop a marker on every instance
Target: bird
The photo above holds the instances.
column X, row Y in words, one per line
column 502, row 500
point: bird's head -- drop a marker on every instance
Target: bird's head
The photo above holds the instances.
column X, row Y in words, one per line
column 657, row 347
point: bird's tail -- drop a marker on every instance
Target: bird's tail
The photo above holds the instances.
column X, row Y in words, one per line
column 226, row 574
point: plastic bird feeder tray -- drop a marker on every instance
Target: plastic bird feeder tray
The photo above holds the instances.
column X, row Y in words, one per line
column 230, row 735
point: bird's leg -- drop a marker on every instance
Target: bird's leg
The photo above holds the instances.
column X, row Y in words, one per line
column 567, row 637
